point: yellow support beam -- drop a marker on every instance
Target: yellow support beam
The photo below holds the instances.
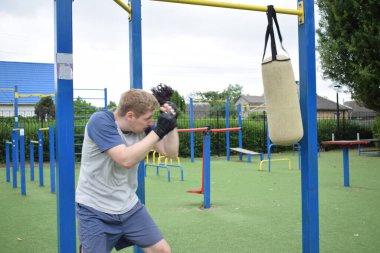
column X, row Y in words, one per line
column 123, row 5
column 18, row 95
column 44, row 129
column 298, row 12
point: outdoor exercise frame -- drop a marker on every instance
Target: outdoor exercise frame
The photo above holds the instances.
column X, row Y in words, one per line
column 65, row 117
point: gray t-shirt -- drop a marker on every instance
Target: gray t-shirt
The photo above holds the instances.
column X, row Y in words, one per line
column 103, row 184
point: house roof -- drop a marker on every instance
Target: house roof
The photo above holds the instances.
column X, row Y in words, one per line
column 30, row 78
column 358, row 110
column 323, row 104
column 253, row 100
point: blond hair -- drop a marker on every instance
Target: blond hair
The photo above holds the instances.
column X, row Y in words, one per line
column 137, row 101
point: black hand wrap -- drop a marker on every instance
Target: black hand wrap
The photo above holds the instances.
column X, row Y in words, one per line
column 166, row 123
column 174, row 107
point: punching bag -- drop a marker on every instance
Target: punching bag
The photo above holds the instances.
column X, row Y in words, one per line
column 280, row 92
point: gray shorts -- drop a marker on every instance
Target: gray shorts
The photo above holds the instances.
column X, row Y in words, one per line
column 101, row 232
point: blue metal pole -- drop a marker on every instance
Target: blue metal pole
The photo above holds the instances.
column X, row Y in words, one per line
column 52, row 158
column 65, row 127
column 14, row 156
column 7, row 162
column 135, row 65
column 240, row 124
column 31, row 157
column 22, row 158
column 269, row 146
column 346, row 167
column 105, row 100
column 207, row 168
column 309, row 159
column 191, row 133
column 16, row 106
column 227, row 133
column 41, row 157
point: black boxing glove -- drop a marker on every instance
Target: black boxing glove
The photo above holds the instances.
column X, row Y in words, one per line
column 166, row 122
column 174, row 107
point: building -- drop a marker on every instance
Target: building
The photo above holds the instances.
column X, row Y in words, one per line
column 326, row 108
column 31, row 79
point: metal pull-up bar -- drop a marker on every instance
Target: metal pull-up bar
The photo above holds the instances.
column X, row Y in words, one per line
column 248, row 7
column 299, row 12
column 123, row 5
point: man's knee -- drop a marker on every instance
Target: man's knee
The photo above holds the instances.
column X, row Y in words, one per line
column 160, row 247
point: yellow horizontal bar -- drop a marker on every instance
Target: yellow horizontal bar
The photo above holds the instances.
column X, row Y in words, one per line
column 234, row 6
column 8, row 142
column 44, row 129
column 208, row 101
column 7, row 88
column 123, row 5
column 34, row 95
column 35, row 142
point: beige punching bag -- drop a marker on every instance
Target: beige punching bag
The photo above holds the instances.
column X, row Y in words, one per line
column 280, row 93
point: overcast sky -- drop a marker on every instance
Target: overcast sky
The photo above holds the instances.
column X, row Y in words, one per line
column 190, row 48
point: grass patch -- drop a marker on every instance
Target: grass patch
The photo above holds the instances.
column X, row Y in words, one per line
column 251, row 211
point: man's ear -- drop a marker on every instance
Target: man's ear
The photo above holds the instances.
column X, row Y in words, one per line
column 129, row 115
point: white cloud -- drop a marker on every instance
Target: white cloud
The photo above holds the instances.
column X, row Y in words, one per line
column 188, row 47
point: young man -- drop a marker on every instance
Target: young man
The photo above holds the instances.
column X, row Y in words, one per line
column 109, row 212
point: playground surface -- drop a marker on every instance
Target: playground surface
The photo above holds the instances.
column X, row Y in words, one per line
column 251, row 211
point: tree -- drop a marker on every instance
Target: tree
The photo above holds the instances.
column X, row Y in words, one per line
column 349, row 46
column 232, row 93
column 45, row 109
column 111, row 106
column 82, row 108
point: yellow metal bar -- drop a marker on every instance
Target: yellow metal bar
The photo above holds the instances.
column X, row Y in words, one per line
column 35, row 142
column 44, row 129
column 8, row 142
column 34, row 95
column 208, row 101
column 274, row 160
column 123, row 5
column 247, row 7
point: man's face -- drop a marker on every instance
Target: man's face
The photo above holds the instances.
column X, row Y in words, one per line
column 142, row 122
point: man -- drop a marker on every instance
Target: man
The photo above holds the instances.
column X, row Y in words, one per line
column 109, row 212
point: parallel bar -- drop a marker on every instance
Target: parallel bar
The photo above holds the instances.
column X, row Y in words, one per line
column 192, row 130
column 43, row 129
column 234, row 6
column 123, row 5
column 223, row 130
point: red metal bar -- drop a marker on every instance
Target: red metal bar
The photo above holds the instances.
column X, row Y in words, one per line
column 201, row 129
column 222, row 130
column 344, row 143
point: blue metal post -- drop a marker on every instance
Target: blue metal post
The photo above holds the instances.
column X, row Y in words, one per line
column 41, row 157
column 16, row 106
column 227, row 133
column 207, row 168
column 309, row 159
column 22, row 160
column 31, row 157
column 269, row 147
column 192, row 133
column 105, row 100
column 52, row 158
column 7, row 163
column 346, row 167
column 135, row 64
column 65, row 127
column 15, row 156
column 240, row 124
